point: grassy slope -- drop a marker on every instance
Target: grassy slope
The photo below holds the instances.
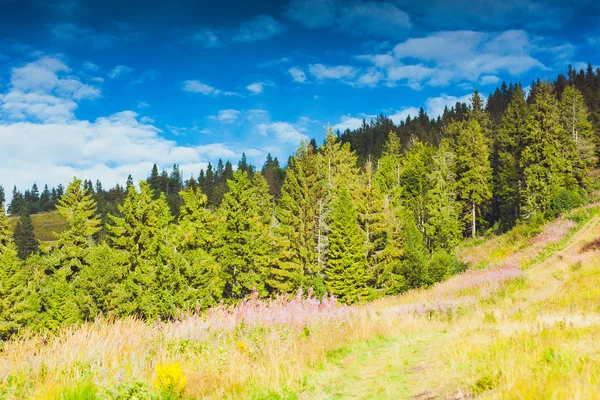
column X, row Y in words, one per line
column 45, row 225
column 475, row 335
column 534, row 338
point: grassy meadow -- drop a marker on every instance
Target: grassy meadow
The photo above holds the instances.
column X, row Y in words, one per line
column 524, row 323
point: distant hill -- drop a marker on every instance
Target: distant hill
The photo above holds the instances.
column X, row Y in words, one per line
column 46, row 225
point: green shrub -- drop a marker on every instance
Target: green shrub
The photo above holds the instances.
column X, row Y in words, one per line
column 442, row 265
column 565, row 200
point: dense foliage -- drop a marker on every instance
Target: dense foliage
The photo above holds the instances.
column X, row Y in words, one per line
column 370, row 212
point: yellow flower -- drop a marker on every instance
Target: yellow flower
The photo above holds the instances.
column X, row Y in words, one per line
column 242, row 347
column 170, row 378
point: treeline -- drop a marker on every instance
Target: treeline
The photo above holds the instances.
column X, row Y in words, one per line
column 337, row 219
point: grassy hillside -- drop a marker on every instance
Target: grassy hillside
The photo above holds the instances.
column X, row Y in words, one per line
column 524, row 324
column 45, row 225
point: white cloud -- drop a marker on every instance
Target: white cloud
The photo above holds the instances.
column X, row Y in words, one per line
column 143, row 104
column 352, row 123
column 209, row 39
column 256, row 87
column 261, row 27
column 321, row 71
column 119, row 71
column 401, row 114
column 297, row 74
column 377, row 19
column 489, row 79
column 148, row 75
column 436, row 105
column 41, row 90
column 90, row 66
column 258, row 28
column 282, row 131
column 226, row 116
column 194, row 86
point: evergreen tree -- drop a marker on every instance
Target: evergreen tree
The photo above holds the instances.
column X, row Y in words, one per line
column 14, row 312
column 414, row 259
column 508, row 177
column 301, row 256
column 76, row 199
column 17, row 203
column 388, row 170
column 442, row 226
column 575, row 120
column 474, row 173
column 415, row 182
column 346, row 259
column 2, row 196
column 24, row 237
column 239, row 244
column 545, row 166
column 371, row 219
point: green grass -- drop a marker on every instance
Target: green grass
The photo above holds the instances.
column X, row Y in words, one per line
column 45, row 225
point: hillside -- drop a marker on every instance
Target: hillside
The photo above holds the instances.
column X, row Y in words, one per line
column 523, row 326
column 45, row 225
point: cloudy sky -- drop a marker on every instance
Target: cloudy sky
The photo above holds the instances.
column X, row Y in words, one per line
column 100, row 89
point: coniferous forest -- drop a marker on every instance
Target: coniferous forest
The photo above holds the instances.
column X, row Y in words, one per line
column 366, row 213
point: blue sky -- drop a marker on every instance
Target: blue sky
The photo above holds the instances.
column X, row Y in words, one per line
column 100, row 89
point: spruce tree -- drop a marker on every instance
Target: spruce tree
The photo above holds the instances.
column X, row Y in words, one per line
column 474, row 173
column 442, row 226
column 346, row 258
column 299, row 232
column 371, row 218
column 575, row 119
column 389, row 168
column 508, row 175
column 239, row 245
column 24, row 237
column 414, row 180
column 546, row 168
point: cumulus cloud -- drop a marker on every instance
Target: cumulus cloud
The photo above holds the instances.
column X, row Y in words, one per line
column 297, row 74
column 376, row 19
column 43, row 90
column 119, row 71
column 436, row 105
column 207, row 38
column 352, row 123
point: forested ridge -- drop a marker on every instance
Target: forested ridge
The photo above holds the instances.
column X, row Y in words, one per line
column 366, row 213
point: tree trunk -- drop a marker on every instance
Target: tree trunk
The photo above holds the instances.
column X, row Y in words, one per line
column 473, row 227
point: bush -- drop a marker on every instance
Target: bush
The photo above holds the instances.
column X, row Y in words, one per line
column 565, row 200
column 442, row 265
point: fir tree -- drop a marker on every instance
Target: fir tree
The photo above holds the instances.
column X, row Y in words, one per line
column 545, row 167
column 79, row 200
column 24, row 237
column 442, row 226
column 508, row 173
column 346, row 258
column 298, row 212
column 474, row 173
column 238, row 247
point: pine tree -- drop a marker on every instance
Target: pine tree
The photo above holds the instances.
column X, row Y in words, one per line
column 545, row 166
column 239, row 244
column 194, row 238
column 24, row 237
column 474, row 173
column 575, row 119
column 339, row 163
column 508, row 179
column 301, row 257
column 14, row 310
column 414, row 259
column 371, row 219
column 141, row 231
column 442, row 226
column 78, row 200
column 414, row 180
column 389, row 168
column 346, row 258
